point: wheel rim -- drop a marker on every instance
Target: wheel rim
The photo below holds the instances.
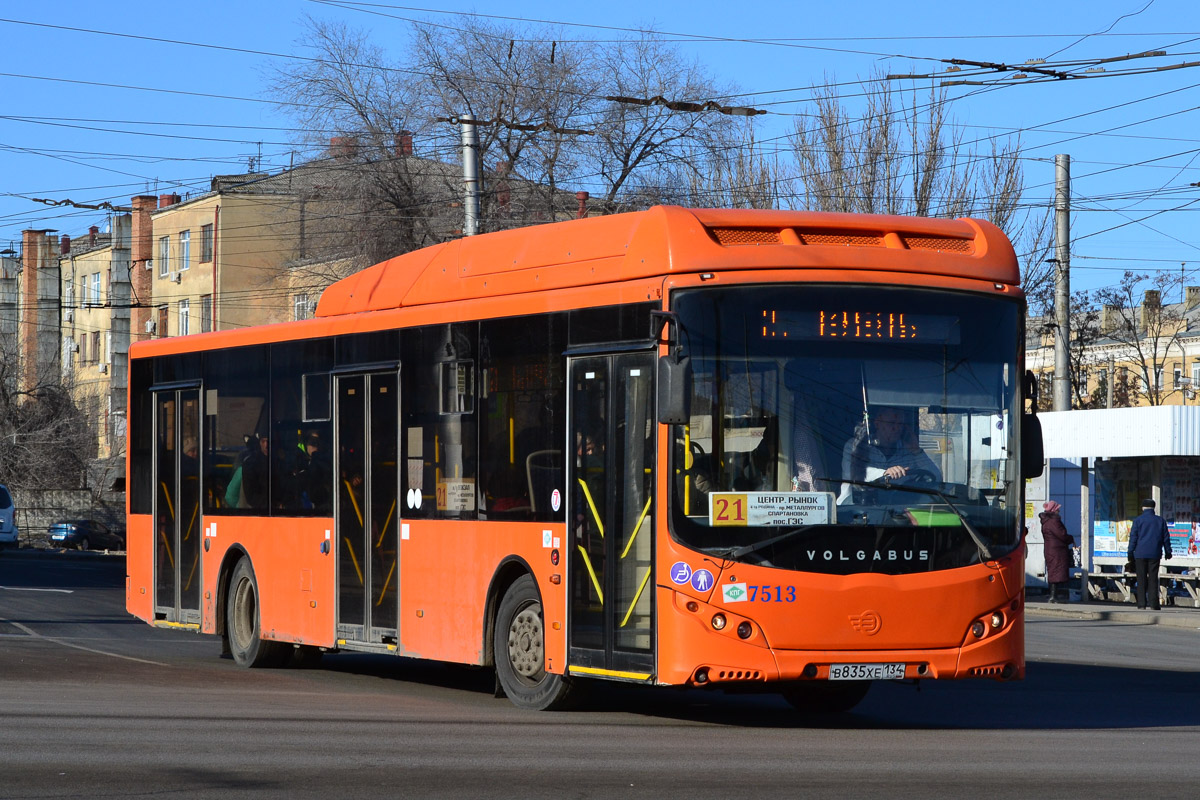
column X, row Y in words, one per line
column 526, row 651
column 84, row 544
column 243, row 614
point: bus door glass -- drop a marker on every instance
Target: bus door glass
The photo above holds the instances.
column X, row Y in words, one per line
column 177, row 505
column 610, row 517
column 366, row 510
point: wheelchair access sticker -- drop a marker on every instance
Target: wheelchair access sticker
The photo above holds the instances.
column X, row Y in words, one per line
column 681, row 572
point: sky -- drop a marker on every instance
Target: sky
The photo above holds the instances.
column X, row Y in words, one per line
column 102, row 101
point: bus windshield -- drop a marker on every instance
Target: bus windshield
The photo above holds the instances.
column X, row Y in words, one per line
column 846, row 429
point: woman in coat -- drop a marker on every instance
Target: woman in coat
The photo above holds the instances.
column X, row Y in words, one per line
column 1056, row 546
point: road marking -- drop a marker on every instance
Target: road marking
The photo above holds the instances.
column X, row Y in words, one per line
column 28, row 589
column 64, row 643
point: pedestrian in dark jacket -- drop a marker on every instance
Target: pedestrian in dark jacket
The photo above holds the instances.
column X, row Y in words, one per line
column 1148, row 539
column 1056, row 547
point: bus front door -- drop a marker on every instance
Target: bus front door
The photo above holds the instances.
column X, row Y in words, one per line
column 177, row 576
column 366, row 510
column 610, row 520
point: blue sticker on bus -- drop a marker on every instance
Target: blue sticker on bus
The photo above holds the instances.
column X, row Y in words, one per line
column 702, row 580
column 681, row 572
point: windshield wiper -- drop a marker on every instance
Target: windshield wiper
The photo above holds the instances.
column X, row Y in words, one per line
column 744, row 550
column 894, row 487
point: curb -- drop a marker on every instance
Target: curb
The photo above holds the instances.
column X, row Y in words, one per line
column 1186, row 618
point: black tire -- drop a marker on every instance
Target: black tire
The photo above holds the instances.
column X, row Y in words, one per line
column 520, row 652
column 305, row 656
column 826, row 697
column 242, row 630
column 84, row 544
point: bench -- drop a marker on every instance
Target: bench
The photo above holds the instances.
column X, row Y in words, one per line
column 1102, row 584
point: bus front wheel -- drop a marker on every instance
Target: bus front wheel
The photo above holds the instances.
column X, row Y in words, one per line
column 826, row 697
column 519, row 644
column 242, row 624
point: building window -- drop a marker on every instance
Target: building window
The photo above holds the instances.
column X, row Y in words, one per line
column 83, row 359
column 185, row 250
column 300, row 307
column 161, row 330
column 1196, row 374
column 94, row 296
column 206, row 243
column 69, row 293
column 1178, row 377
column 184, row 308
column 96, row 346
column 164, row 256
column 206, row 313
column 1158, row 379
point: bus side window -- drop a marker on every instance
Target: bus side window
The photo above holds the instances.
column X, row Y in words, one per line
column 300, row 416
column 438, row 386
column 236, row 386
column 521, row 416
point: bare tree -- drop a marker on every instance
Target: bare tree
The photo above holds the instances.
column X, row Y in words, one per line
column 882, row 157
column 1146, row 330
column 44, row 439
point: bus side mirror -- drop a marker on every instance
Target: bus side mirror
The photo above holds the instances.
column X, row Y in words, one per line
column 1033, row 454
column 674, row 389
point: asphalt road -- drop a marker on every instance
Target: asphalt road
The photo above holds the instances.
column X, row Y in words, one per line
column 95, row 704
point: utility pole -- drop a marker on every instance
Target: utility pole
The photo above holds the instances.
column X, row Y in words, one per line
column 470, row 146
column 1062, row 282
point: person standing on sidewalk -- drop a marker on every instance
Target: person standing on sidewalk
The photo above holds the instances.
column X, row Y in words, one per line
column 1056, row 547
column 1148, row 539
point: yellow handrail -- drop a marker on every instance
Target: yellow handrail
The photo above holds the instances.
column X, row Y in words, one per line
column 354, row 558
column 641, row 588
column 591, row 504
column 386, row 583
column 637, row 528
column 587, row 562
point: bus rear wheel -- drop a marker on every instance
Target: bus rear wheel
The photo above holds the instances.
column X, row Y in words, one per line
column 519, row 644
column 826, row 697
column 242, row 624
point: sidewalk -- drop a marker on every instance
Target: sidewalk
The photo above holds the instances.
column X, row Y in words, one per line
column 1170, row 616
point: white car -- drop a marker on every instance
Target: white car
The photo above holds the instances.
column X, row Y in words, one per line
column 8, row 523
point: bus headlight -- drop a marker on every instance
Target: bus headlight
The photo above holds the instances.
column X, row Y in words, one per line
column 718, row 622
column 977, row 629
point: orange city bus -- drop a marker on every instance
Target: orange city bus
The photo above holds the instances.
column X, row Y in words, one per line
column 749, row 450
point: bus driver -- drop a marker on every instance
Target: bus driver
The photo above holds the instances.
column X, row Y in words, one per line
column 888, row 449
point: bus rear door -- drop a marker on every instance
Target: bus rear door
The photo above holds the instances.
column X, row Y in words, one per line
column 177, row 573
column 610, row 520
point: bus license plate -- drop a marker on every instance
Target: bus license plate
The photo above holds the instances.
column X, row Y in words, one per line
column 865, row 672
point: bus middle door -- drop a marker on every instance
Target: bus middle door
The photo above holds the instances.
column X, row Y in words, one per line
column 610, row 519
column 366, row 511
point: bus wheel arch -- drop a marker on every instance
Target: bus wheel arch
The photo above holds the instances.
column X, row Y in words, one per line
column 507, row 573
column 518, row 639
column 243, row 622
column 230, row 561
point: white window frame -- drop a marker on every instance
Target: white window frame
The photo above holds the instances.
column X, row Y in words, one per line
column 94, row 294
column 164, row 256
column 300, row 306
column 185, row 249
column 185, row 307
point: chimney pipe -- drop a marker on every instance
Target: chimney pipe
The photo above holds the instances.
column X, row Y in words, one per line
column 165, row 200
column 65, row 245
column 582, row 211
column 404, row 143
column 92, row 231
